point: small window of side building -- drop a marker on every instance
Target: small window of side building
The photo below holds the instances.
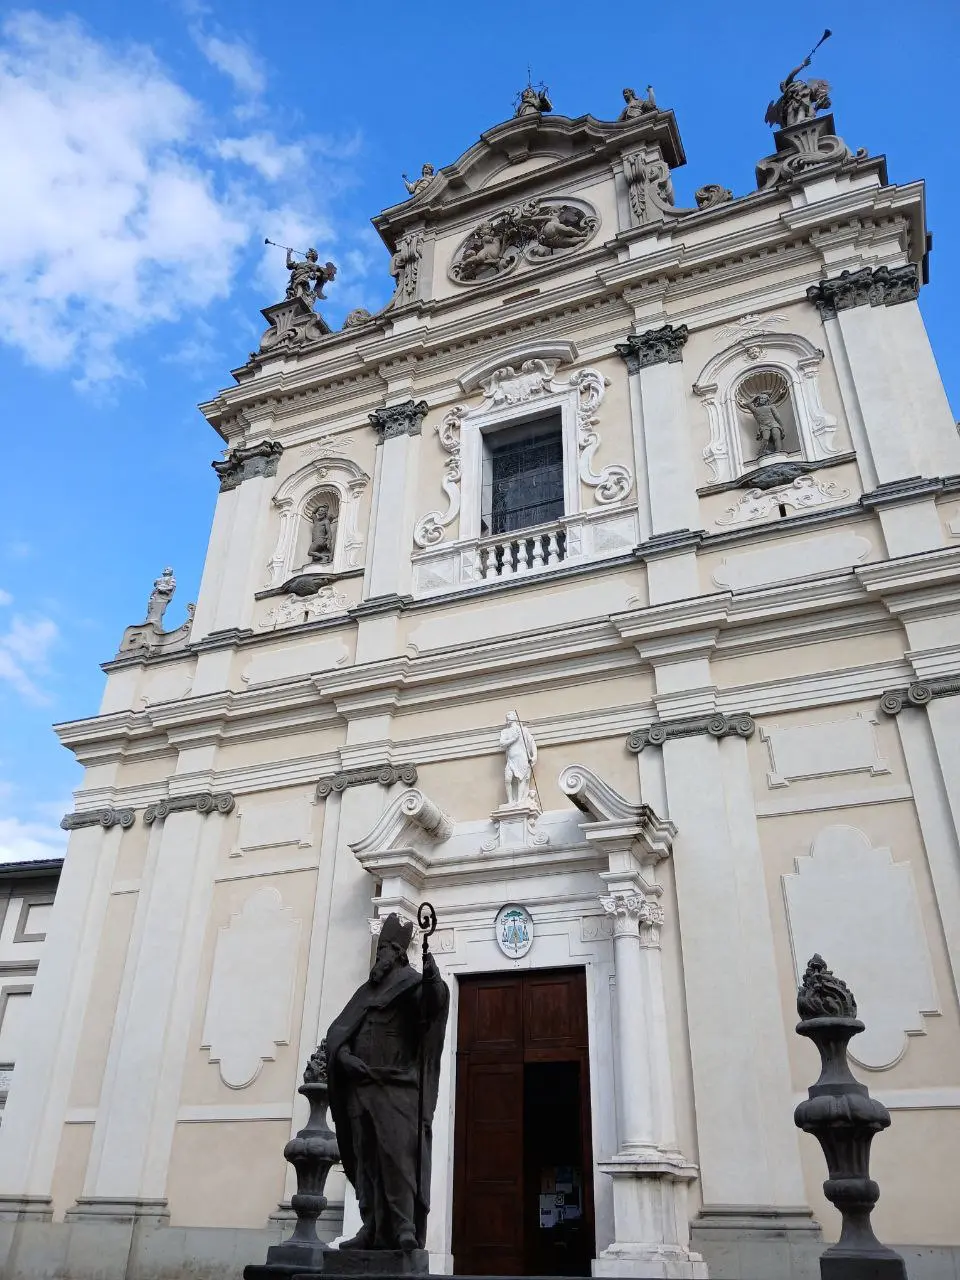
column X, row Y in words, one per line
column 522, row 483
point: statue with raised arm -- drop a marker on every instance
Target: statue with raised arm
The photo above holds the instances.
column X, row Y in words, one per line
column 637, row 106
column 532, row 102
column 392, row 1026
column 160, row 597
column 308, row 276
column 521, row 752
column 322, row 535
column 770, row 429
column 800, row 100
column 427, row 175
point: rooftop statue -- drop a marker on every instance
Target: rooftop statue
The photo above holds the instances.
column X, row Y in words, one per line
column 799, row 100
column 427, row 175
column 160, row 597
column 532, row 101
column 637, row 106
column 307, row 276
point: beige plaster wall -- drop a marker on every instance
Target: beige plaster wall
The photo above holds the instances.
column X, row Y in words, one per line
column 101, row 1010
column 277, row 1079
column 71, row 1167
column 228, row 1173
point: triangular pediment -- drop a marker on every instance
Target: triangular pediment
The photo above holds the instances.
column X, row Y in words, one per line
column 511, row 161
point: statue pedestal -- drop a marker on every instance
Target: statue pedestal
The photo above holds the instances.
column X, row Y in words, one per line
column 515, row 827
column 376, row 1262
column 286, row 1260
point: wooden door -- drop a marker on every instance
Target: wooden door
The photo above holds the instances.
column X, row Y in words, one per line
column 507, row 1021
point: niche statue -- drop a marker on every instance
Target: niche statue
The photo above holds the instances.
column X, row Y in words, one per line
column 382, row 1050
column 770, row 430
column 322, row 534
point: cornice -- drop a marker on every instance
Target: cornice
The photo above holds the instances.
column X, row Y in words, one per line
column 340, row 361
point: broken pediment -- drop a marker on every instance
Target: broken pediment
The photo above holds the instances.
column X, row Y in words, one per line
column 509, row 162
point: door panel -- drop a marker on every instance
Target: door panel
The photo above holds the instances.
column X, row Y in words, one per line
column 488, row 1218
column 504, row 1021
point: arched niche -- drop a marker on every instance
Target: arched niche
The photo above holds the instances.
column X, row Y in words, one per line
column 339, row 483
column 790, row 365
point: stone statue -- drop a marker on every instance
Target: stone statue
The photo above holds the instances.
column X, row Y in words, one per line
column 160, row 597
column 770, row 429
column 392, row 1024
column 487, row 251
column 307, row 276
column 532, row 102
column 521, row 752
column 322, row 535
column 427, row 174
column 637, row 106
column 799, row 99
column 555, row 226
column 405, row 267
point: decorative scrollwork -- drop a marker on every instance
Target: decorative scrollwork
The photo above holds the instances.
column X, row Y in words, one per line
column 105, row 818
column 202, row 802
column 429, row 529
column 615, row 481
column 918, row 694
column 717, row 725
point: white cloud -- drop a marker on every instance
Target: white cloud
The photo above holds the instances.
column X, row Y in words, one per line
column 26, row 841
column 263, row 152
column 235, row 59
column 5, row 597
column 107, row 223
column 24, row 648
column 123, row 207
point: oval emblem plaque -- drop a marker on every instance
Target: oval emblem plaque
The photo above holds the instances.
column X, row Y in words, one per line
column 514, row 931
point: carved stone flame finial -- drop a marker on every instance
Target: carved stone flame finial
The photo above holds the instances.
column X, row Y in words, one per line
column 315, row 1072
column 821, row 995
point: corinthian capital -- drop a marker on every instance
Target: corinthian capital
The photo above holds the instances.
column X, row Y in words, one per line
column 634, row 914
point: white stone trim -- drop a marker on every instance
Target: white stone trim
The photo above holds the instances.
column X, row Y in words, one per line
column 207, row 1112
column 292, row 498
column 791, row 355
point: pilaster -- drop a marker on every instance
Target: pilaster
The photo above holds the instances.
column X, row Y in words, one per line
column 37, row 1103
column 398, row 428
column 893, row 396
column 654, row 361
column 130, row 1152
column 235, row 565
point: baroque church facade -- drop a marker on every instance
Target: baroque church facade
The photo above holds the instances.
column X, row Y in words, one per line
column 602, row 591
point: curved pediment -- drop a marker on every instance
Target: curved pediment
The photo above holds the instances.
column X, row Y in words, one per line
column 512, row 157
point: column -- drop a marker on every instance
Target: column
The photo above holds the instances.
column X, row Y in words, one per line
column 235, row 567
column 750, row 1170
column 136, row 1116
column 34, row 1114
column 666, row 479
column 931, row 747
column 388, row 575
column 859, row 312
column 650, row 1176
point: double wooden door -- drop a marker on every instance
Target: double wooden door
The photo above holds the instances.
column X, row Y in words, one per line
column 523, row 1169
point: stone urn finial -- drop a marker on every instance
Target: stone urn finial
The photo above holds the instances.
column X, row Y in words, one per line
column 842, row 1116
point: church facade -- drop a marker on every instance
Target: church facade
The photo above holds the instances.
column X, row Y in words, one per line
column 601, row 591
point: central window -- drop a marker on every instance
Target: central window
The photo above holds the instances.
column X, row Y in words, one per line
column 522, row 478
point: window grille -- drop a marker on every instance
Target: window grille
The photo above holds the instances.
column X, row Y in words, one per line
column 523, row 477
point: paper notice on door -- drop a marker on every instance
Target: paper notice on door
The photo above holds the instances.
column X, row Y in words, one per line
column 548, row 1211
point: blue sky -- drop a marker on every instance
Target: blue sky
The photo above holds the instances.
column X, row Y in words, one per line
column 147, row 149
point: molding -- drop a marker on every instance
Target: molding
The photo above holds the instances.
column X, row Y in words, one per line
column 380, row 604
column 776, row 473
column 247, row 461
column 106, row 818
column 404, row 419
column 718, row 725
column 386, row 775
column 878, row 286
column 410, row 810
column 534, row 349
column 827, row 800
column 918, row 694
column 214, row 1112
column 655, row 346
column 894, row 491
column 202, row 802
column 668, row 544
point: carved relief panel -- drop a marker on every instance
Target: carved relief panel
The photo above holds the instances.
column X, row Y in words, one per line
column 533, row 232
